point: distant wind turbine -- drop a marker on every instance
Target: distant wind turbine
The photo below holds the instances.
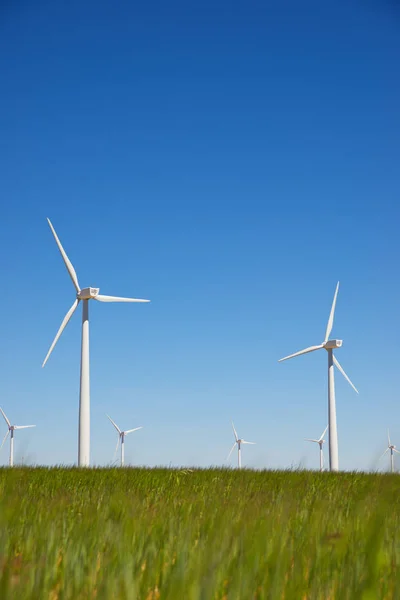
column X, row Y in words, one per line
column 10, row 432
column 121, row 438
column 238, row 442
column 321, row 442
column 329, row 346
column 82, row 295
column 392, row 449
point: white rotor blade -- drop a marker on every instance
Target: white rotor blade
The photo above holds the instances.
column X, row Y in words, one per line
column 62, row 327
column 4, row 439
column 388, row 438
column 115, row 425
column 232, row 449
column 234, row 432
column 332, row 315
column 102, row 298
column 5, row 418
column 132, row 430
column 23, row 426
column 310, row 440
column 335, row 360
column 394, row 450
column 252, row 443
column 322, row 436
column 382, row 455
column 116, row 448
column 67, row 262
column 305, row 351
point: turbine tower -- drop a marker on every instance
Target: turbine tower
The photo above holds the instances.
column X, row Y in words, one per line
column 321, row 442
column 329, row 346
column 10, row 432
column 121, row 438
column 82, row 295
column 238, row 442
column 392, row 449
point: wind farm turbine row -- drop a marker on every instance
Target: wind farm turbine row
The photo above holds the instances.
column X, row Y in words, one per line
column 237, row 443
column 12, row 428
column 120, row 441
column 84, row 295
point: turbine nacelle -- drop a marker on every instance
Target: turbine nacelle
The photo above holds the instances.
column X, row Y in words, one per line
column 87, row 293
column 331, row 344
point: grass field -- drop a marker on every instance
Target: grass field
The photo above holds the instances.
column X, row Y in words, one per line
column 203, row 534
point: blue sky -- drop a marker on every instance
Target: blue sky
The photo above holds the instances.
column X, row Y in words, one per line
column 231, row 162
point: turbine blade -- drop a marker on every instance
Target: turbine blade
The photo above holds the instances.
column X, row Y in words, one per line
column 66, row 260
column 132, row 430
column 382, row 455
column 232, row 449
column 115, row 425
column 335, row 360
column 102, row 298
column 5, row 418
column 305, row 351
column 332, row 315
column 62, row 327
column 394, row 450
column 234, row 432
column 252, row 443
column 118, row 441
column 4, row 438
column 388, row 438
column 311, row 440
column 322, row 436
column 23, row 426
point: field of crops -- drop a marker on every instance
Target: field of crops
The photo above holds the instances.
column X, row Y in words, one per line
column 203, row 534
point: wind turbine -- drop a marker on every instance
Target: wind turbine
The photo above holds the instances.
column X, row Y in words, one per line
column 329, row 346
column 10, row 432
column 321, row 442
column 239, row 443
column 392, row 449
column 121, row 438
column 82, row 295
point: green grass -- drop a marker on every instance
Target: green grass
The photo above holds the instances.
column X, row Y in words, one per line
column 207, row 534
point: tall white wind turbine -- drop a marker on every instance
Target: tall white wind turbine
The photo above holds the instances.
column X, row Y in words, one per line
column 329, row 346
column 392, row 449
column 121, row 439
column 10, row 432
column 82, row 295
column 238, row 442
column 321, row 442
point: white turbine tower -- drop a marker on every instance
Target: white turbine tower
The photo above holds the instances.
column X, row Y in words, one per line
column 82, row 295
column 329, row 346
column 10, row 432
column 238, row 442
column 121, row 438
column 392, row 449
column 321, row 442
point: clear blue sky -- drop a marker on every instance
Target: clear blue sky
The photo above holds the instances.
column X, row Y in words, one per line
column 231, row 162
